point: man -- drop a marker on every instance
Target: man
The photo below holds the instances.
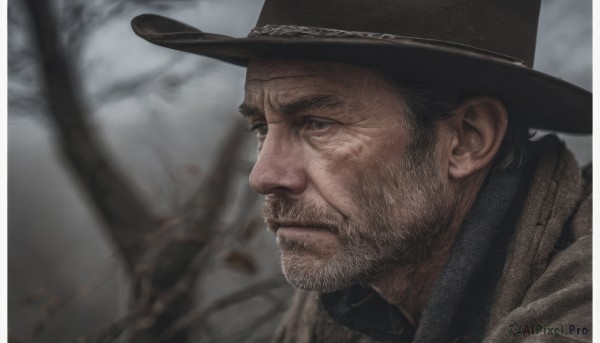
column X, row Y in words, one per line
column 400, row 183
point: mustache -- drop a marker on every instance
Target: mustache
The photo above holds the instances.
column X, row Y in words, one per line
column 280, row 210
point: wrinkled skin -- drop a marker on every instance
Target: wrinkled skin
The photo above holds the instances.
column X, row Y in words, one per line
column 345, row 197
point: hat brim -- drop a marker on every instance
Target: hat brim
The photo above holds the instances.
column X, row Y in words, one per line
column 548, row 102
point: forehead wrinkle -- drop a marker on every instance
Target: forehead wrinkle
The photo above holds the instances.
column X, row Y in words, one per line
column 288, row 101
column 268, row 87
column 275, row 78
column 283, row 82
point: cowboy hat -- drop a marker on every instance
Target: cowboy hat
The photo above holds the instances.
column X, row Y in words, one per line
column 485, row 46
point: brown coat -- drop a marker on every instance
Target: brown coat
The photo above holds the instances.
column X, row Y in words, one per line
column 546, row 278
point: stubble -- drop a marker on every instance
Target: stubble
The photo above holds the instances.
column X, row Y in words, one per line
column 398, row 211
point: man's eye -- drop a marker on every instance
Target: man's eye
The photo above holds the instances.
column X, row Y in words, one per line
column 260, row 128
column 318, row 124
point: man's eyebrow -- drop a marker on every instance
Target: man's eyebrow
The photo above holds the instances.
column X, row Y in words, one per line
column 311, row 103
column 304, row 104
column 250, row 111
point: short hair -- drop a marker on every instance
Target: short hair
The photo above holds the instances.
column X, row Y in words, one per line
column 427, row 103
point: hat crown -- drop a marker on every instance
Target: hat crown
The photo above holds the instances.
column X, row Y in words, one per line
column 506, row 27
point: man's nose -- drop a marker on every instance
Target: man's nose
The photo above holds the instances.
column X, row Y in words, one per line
column 279, row 168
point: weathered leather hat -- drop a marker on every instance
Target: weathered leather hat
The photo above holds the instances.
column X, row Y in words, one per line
column 486, row 46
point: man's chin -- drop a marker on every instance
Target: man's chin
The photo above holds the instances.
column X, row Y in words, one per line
column 313, row 285
column 310, row 273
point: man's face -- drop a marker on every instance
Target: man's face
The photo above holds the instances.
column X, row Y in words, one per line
column 345, row 196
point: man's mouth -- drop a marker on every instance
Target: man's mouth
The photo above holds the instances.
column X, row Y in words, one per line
column 317, row 240
column 275, row 225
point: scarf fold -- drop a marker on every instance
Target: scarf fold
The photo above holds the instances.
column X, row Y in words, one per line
column 460, row 299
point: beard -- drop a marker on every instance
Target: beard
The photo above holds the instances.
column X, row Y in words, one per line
column 397, row 211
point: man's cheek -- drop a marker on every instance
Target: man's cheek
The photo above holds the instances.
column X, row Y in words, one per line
column 344, row 151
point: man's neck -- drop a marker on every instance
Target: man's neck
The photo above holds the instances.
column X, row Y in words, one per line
column 408, row 285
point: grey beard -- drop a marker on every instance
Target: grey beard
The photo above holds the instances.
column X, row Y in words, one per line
column 398, row 212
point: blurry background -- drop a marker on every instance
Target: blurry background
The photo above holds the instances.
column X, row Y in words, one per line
column 168, row 123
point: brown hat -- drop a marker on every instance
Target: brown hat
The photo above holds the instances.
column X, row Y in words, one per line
column 485, row 46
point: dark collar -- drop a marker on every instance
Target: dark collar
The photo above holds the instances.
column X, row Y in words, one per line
column 362, row 309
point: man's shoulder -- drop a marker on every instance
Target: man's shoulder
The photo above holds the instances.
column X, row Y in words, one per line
column 547, row 280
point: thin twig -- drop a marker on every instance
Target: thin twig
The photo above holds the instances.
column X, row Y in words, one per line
column 56, row 303
column 200, row 316
column 112, row 332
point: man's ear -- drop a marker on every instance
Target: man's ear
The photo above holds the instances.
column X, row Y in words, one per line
column 479, row 124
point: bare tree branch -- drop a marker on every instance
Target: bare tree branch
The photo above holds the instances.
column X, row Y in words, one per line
column 199, row 317
column 164, row 274
column 176, row 269
column 55, row 303
column 127, row 219
column 138, row 84
column 204, row 209
column 112, row 332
